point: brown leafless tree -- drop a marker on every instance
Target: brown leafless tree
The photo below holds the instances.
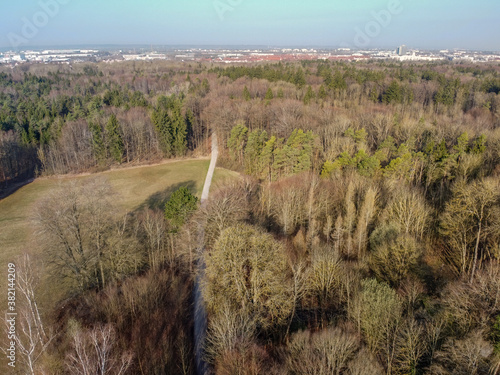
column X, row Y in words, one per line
column 32, row 335
column 93, row 352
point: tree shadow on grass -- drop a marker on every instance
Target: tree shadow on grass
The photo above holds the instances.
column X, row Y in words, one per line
column 158, row 200
column 6, row 189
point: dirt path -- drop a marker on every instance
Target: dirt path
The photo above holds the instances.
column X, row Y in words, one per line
column 200, row 314
column 211, row 170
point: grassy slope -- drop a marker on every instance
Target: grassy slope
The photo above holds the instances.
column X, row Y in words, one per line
column 135, row 187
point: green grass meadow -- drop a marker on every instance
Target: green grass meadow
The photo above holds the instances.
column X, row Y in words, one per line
column 134, row 187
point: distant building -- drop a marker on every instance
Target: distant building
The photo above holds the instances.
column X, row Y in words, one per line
column 402, row 50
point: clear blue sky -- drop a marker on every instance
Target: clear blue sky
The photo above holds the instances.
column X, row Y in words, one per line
column 421, row 23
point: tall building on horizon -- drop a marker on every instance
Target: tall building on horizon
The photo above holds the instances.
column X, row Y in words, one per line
column 402, row 50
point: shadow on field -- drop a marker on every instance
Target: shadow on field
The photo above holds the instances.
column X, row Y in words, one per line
column 159, row 199
column 6, row 190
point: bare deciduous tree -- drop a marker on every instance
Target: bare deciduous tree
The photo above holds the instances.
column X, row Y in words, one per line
column 154, row 226
column 466, row 222
column 349, row 217
column 84, row 243
column 248, row 270
column 94, row 353
column 409, row 347
column 473, row 304
column 323, row 353
column 393, row 258
column 229, row 330
column 73, row 222
column 324, row 276
column 32, row 335
column 226, row 207
column 365, row 363
column 409, row 210
column 469, row 356
column 299, row 272
column 366, row 214
column 377, row 312
column 287, row 201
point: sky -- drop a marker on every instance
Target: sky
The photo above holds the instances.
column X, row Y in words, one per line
column 436, row 24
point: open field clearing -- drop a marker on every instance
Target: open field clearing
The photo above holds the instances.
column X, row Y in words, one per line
column 134, row 187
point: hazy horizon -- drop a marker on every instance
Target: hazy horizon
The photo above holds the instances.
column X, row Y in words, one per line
column 145, row 47
column 365, row 24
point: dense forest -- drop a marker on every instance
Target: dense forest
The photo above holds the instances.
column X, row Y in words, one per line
column 362, row 237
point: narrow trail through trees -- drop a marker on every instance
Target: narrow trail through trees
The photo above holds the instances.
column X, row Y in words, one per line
column 211, row 169
column 200, row 314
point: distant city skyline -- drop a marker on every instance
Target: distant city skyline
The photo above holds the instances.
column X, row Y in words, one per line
column 362, row 24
